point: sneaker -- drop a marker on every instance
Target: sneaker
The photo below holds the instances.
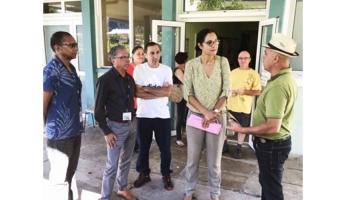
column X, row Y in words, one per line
column 141, row 180
column 168, row 184
column 237, row 154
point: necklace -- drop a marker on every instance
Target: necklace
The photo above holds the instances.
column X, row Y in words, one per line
column 207, row 64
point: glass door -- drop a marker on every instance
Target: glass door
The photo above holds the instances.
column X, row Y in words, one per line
column 267, row 28
column 169, row 32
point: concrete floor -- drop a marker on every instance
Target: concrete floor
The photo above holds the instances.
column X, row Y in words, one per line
column 239, row 177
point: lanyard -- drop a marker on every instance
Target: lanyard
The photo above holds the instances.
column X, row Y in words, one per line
column 74, row 78
column 125, row 99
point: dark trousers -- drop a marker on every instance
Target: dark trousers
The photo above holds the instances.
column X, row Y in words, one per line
column 162, row 129
column 181, row 110
column 271, row 157
column 64, row 157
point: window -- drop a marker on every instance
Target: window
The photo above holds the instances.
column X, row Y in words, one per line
column 52, row 8
column 62, row 6
column 72, row 6
column 206, row 5
column 144, row 13
column 115, row 26
column 297, row 63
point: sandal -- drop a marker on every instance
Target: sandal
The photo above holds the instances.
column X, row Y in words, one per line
column 180, row 143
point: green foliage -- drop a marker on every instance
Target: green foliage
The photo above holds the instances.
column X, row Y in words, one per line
column 113, row 40
column 209, row 5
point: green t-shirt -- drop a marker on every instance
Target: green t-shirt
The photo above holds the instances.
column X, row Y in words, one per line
column 277, row 100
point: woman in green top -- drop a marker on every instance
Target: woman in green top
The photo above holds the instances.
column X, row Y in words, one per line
column 207, row 86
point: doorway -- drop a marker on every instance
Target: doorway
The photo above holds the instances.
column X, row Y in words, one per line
column 234, row 38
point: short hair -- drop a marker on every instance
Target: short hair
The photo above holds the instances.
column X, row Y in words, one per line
column 113, row 51
column 181, row 57
column 136, row 48
column 200, row 37
column 57, row 39
column 150, row 44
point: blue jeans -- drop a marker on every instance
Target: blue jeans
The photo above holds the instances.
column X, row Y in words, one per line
column 271, row 157
column 145, row 128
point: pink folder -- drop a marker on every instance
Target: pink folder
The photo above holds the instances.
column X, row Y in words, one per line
column 195, row 121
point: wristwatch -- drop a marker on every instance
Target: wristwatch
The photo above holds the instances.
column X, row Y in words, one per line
column 216, row 111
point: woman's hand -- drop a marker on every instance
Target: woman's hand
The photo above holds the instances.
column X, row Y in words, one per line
column 209, row 117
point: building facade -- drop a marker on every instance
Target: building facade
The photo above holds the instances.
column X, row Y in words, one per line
column 97, row 25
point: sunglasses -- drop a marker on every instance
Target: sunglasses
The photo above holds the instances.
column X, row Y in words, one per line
column 72, row 45
column 211, row 43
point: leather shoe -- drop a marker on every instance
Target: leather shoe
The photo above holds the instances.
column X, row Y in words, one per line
column 126, row 194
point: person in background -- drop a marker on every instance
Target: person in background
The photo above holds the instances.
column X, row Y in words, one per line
column 273, row 116
column 207, row 86
column 153, row 87
column 62, row 115
column 114, row 111
column 137, row 59
column 181, row 109
column 245, row 85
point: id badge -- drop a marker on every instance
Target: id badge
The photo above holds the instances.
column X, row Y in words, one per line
column 127, row 116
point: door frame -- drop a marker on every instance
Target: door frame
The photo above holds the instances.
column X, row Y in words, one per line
column 259, row 66
column 179, row 44
column 176, row 24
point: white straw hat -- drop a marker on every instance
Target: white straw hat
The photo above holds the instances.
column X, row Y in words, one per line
column 282, row 44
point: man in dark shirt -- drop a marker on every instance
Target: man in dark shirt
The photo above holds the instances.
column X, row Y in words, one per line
column 114, row 111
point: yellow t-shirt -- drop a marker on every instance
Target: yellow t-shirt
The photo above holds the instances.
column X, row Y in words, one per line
column 246, row 80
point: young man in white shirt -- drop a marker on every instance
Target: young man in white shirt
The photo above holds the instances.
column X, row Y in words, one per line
column 153, row 87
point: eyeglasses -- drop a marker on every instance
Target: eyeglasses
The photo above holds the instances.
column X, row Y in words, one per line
column 243, row 58
column 211, row 43
column 123, row 57
column 72, row 45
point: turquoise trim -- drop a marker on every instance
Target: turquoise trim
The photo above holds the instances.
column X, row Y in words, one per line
column 168, row 44
column 102, row 69
column 88, row 20
column 276, row 9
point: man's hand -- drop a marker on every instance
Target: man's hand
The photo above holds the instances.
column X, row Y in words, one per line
column 234, row 126
column 233, row 93
column 110, row 140
column 240, row 91
column 166, row 84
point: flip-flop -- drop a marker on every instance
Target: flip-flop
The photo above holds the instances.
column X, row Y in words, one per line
column 180, row 143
